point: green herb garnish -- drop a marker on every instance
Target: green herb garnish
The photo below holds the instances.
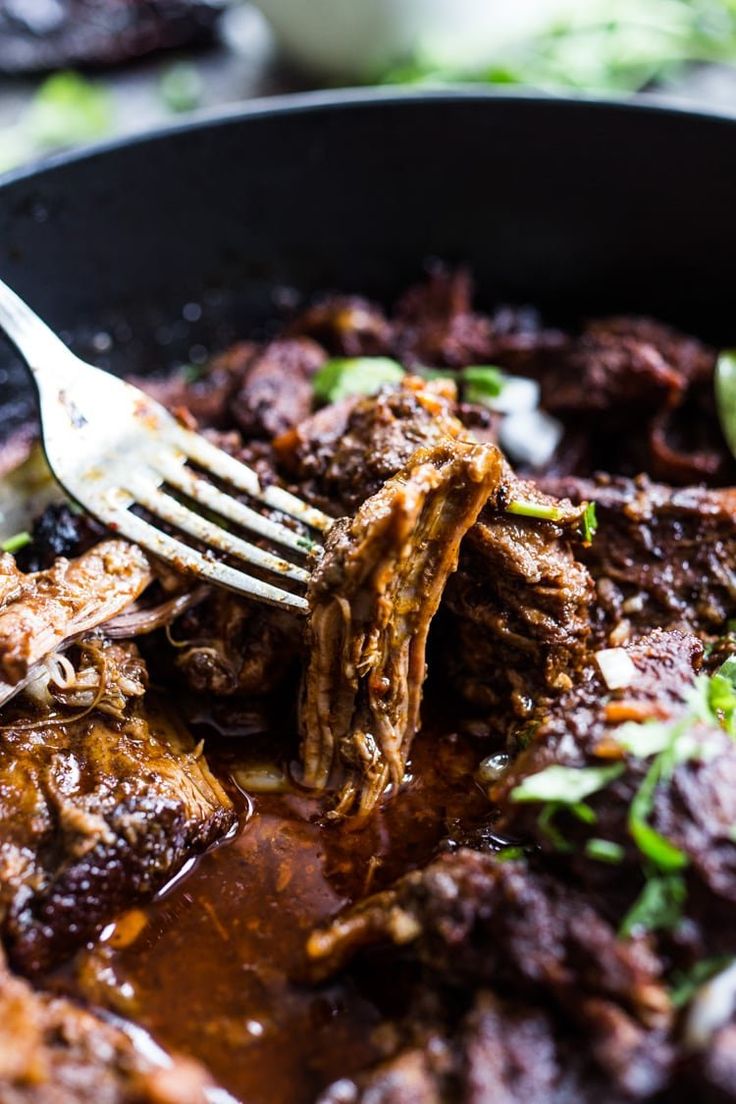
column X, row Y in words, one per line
column 725, row 388
column 589, row 522
column 525, row 508
column 659, row 905
column 338, row 378
column 684, row 984
column 509, row 854
column 481, row 382
column 181, row 87
column 68, row 109
column 565, row 785
column 15, row 543
column 603, row 850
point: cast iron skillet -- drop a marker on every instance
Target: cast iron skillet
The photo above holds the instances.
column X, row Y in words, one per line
column 576, row 206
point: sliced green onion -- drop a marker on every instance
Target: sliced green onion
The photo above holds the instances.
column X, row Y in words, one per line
column 603, row 850
column 15, row 543
column 525, row 508
column 566, row 785
column 589, row 522
column 725, row 388
column 341, row 377
column 658, row 907
column 481, row 382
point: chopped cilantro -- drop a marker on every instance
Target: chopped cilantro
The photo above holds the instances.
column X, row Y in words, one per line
column 547, row 827
column 525, row 508
column 565, row 785
column 658, row 907
column 68, row 109
column 338, row 378
column 603, row 850
column 685, row 983
column 15, row 543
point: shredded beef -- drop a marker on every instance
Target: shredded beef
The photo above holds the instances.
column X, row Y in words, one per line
column 372, row 599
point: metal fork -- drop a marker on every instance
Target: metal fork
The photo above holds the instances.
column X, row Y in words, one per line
column 112, row 448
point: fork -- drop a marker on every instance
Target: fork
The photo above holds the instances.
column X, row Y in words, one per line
column 112, row 448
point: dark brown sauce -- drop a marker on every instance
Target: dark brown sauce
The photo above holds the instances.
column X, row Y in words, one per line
column 208, row 968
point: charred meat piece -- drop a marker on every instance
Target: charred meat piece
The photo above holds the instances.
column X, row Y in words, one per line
column 275, row 392
column 372, row 599
column 691, row 796
column 42, row 610
column 96, row 811
column 54, row 1052
column 517, row 612
column 344, row 453
column 345, row 325
column 435, row 323
column 472, row 920
column 661, row 556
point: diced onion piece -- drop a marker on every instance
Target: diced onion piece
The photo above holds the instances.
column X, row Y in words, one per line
column 491, row 768
column 712, row 1007
column 265, row 778
column 616, row 667
column 517, row 395
column 530, row 437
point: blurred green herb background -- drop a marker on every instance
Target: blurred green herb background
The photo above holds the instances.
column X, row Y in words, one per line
column 607, row 46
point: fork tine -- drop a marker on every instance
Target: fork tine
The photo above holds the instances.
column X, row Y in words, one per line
column 184, row 558
column 204, row 492
column 232, row 471
column 166, row 508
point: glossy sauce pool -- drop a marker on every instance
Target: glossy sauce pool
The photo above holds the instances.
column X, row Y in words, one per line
column 209, row 968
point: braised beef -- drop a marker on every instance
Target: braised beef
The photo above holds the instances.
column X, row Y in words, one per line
column 661, row 556
column 373, row 597
column 97, row 810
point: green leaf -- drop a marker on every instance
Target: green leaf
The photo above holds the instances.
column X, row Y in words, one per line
column 525, row 508
column 15, row 543
column 603, row 850
column 722, row 696
column 725, row 387
column 566, row 785
column 181, row 87
column 67, row 109
column 658, row 907
column 643, row 739
column 548, row 828
column 341, row 377
column 589, row 522
column 664, row 854
column 482, row 382
column 685, row 983
column 509, row 854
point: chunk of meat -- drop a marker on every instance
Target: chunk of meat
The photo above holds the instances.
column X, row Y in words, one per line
column 435, row 323
column 518, row 604
column 40, row 611
column 472, row 920
column 54, row 1052
column 372, row 599
column 276, row 389
column 344, row 453
column 345, row 325
column 661, row 556
column 96, row 812
column 694, row 804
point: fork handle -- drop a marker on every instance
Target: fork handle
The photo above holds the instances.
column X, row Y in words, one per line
column 35, row 341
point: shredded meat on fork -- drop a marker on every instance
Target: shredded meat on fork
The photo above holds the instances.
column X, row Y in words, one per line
column 372, row 599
